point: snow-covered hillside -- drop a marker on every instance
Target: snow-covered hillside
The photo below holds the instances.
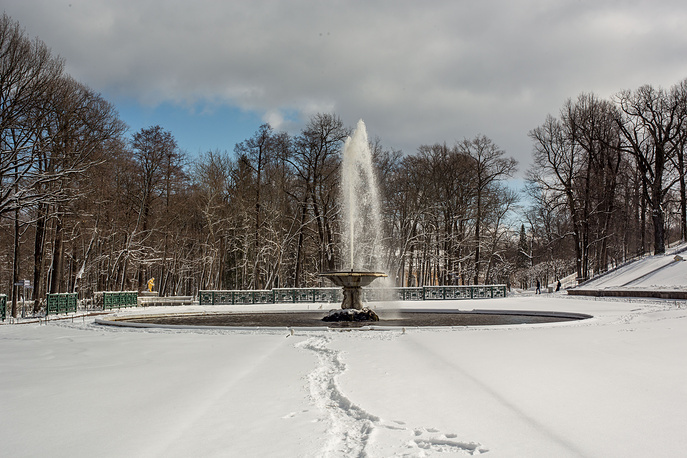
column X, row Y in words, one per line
column 662, row 272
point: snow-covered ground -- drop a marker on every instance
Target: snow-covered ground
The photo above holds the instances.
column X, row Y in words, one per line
column 662, row 272
column 611, row 386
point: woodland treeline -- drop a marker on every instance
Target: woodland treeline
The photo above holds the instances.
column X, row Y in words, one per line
column 86, row 205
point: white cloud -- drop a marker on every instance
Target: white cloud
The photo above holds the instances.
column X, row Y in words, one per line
column 274, row 118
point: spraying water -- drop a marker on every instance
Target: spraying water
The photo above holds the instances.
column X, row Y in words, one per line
column 362, row 212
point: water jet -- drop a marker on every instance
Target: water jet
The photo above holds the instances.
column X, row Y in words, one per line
column 362, row 228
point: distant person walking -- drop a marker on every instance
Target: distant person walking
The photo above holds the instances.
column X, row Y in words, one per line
column 558, row 285
column 538, row 287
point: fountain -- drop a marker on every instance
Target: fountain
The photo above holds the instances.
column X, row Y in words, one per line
column 363, row 250
column 362, row 229
column 352, row 306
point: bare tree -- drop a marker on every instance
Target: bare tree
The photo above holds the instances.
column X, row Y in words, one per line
column 257, row 153
column 557, row 165
column 591, row 124
column 491, row 166
column 316, row 161
column 679, row 144
column 577, row 161
column 651, row 123
column 75, row 137
column 156, row 159
column 28, row 74
column 211, row 176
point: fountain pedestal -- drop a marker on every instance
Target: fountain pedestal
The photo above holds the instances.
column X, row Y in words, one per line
column 352, row 298
column 352, row 283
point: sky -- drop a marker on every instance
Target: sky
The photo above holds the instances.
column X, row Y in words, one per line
column 212, row 71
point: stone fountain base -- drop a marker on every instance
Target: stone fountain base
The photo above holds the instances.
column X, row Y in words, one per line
column 352, row 306
column 351, row 315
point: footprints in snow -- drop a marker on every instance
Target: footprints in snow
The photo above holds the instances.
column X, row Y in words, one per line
column 432, row 439
column 349, row 425
column 352, row 430
column 426, row 442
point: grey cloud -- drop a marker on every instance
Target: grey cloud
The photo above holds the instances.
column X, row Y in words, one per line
column 417, row 72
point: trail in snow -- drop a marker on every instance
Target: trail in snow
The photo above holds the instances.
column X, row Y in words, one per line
column 352, row 430
column 350, row 426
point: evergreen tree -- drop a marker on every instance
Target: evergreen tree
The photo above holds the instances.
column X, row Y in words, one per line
column 524, row 259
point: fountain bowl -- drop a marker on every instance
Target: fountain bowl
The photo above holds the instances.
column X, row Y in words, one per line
column 352, row 283
column 352, row 278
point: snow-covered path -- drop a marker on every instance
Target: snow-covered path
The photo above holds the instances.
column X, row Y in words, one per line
column 615, row 385
column 349, row 426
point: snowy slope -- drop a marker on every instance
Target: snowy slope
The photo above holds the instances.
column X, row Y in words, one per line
column 662, row 272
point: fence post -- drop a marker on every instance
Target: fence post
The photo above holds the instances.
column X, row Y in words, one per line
column 3, row 306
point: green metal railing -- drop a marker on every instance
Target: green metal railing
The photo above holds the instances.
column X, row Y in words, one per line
column 119, row 299
column 237, row 297
column 464, row 292
column 294, row 295
column 393, row 294
column 61, row 303
column 335, row 295
column 3, row 306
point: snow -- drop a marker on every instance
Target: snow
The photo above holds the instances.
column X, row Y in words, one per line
column 613, row 385
column 660, row 272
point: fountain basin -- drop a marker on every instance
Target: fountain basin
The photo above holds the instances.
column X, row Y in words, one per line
column 390, row 319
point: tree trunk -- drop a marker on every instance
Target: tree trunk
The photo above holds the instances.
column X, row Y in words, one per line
column 299, row 248
column 320, row 230
column 256, row 270
column 657, row 215
column 411, row 257
column 400, row 273
column 642, row 217
column 38, row 251
column 15, row 264
column 125, row 262
column 57, row 258
column 477, row 236
column 459, row 251
column 329, row 253
column 576, row 236
column 683, row 194
column 659, row 231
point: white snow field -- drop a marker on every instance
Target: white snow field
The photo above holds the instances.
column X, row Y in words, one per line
column 611, row 386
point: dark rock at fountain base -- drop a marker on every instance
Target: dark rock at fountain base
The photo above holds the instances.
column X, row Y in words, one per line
column 351, row 315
